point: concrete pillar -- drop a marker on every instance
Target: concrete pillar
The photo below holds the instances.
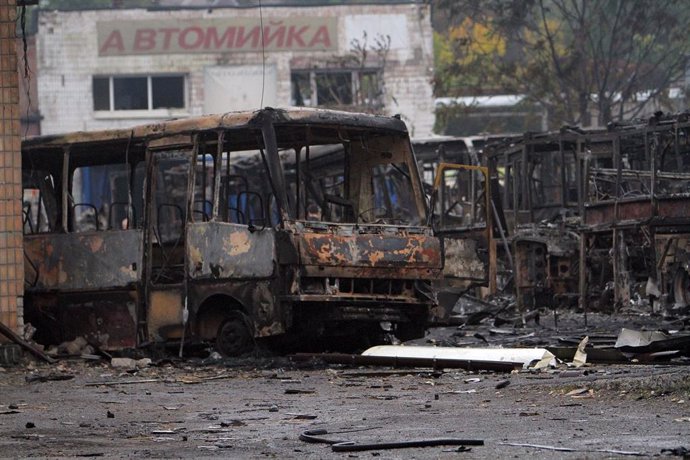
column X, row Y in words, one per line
column 11, row 254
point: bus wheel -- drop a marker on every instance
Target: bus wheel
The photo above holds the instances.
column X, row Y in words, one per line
column 234, row 337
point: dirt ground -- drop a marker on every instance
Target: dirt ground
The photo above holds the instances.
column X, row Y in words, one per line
column 257, row 408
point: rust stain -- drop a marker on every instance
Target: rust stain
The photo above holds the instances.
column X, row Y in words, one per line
column 324, row 251
column 371, row 251
column 195, row 255
column 376, row 256
column 62, row 276
column 95, row 244
column 237, row 243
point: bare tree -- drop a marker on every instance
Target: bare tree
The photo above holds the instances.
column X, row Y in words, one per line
column 574, row 57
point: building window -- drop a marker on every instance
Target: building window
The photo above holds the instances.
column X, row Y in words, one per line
column 138, row 93
column 332, row 88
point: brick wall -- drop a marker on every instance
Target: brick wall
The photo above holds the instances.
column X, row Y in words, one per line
column 11, row 257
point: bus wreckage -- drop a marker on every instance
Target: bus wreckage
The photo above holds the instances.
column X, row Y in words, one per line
column 597, row 219
column 215, row 229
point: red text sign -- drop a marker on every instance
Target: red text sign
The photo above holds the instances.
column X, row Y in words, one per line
column 216, row 36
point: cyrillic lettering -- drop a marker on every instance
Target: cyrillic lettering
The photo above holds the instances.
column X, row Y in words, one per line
column 321, row 36
column 167, row 36
column 213, row 41
column 254, row 34
column 198, row 40
column 278, row 35
column 114, row 40
column 144, row 39
column 296, row 36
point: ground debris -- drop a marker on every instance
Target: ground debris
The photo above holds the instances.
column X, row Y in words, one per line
column 651, row 343
column 580, row 357
column 570, row 449
column 129, row 363
column 314, row 436
column 581, row 393
column 502, row 384
column 298, row 391
column 677, row 452
column 31, row 348
column 53, row 376
column 301, row 416
column 398, row 394
column 122, row 382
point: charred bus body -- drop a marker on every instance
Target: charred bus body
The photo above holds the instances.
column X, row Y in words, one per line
column 635, row 245
column 194, row 229
column 598, row 217
column 463, row 215
column 457, row 187
column 537, row 197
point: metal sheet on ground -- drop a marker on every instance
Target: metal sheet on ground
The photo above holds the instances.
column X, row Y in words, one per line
column 522, row 355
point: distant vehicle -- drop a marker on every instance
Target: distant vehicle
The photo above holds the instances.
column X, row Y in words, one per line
column 217, row 229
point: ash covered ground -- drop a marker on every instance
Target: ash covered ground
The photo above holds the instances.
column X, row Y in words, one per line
column 258, row 406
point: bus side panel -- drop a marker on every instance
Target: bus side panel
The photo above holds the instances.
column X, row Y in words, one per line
column 165, row 308
column 219, row 250
column 108, row 321
column 84, row 262
column 462, row 260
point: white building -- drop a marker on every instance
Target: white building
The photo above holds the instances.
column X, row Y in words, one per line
column 120, row 67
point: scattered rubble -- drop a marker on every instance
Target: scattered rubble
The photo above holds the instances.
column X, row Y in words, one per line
column 129, row 363
column 10, row 334
column 191, row 406
column 48, row 377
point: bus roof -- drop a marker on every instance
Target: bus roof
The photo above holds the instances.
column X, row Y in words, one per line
column 303, row 115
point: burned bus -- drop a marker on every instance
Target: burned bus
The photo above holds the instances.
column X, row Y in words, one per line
column 598, row 218
column 537, row 198
column 457, row 188
column 191, row 230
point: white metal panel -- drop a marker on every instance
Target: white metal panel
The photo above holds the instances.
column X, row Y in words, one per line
column 230, row 88
column 499, row 355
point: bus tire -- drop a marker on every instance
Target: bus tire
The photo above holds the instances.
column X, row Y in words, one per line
column 234, row 337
